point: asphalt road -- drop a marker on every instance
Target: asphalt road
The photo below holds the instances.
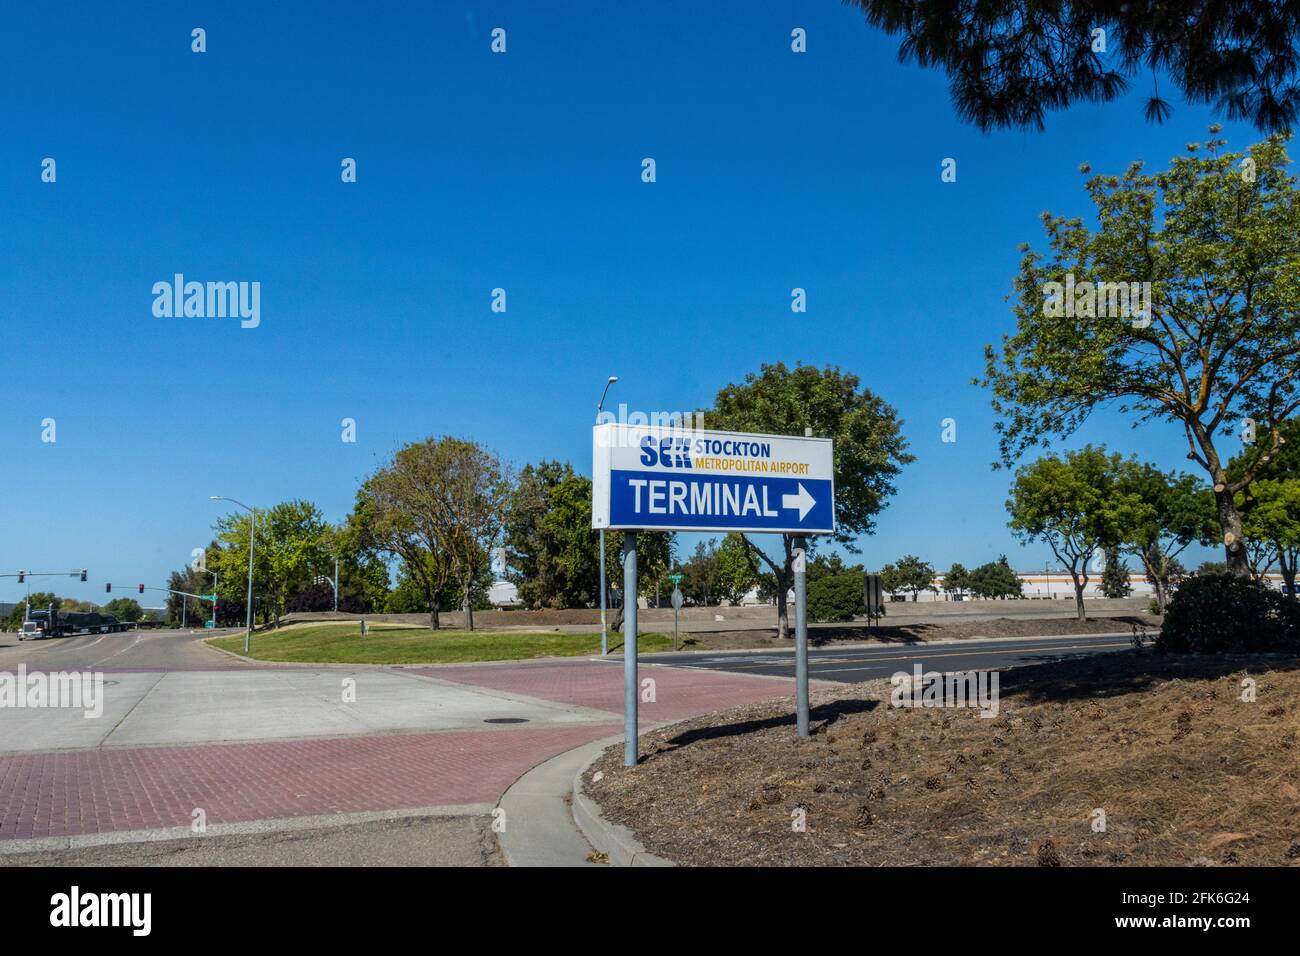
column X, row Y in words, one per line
column 148, row 649
column 851, row 665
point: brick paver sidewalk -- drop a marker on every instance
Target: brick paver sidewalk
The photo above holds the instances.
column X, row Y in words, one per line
column 99, row 791
column 679, row 692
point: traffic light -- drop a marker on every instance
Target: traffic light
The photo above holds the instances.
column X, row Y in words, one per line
column 108, row 589
column 141, row 588
column 83, row 574
column 21, row 576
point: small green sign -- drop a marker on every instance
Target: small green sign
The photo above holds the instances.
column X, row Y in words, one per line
column 207, row 623
column 676, row 578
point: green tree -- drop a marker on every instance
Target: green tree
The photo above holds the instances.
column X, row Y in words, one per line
column 1217, row 236
column 470, row 498
column 181, row 609
column 737, row 569
column 869, row 449
column 700, row 573
column 995, row 580
column 406, row 518
column 1010, row 62
column 408, row 597
column 1274, row 521
column 124, row 609
column 836, row 596
column 1074, row 506
column 1269, row 504
column 1180, row 512
column 293, row 542
column 551, row 550
column 532, row 552
column 909, row 574
column 1114, row 575
column 364, row 578
column 957, row 580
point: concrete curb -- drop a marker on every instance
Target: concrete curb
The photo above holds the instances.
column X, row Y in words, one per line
column 551, row 822
column 539, row 828
column 325, row 821
column 617, row 842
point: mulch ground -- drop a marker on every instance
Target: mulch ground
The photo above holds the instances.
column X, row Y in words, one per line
column 1164, row 752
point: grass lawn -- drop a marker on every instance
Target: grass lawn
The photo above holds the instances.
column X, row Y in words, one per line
column 343, row 644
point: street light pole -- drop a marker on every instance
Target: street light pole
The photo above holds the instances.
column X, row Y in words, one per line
column 252, row 532
column 604, row 630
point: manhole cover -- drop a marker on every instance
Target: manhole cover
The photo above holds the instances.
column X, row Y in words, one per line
column 506, row 720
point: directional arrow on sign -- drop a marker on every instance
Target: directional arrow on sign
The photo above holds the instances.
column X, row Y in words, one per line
column 802, row 501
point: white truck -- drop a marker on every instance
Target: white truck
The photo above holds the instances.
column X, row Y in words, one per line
column 31, row 629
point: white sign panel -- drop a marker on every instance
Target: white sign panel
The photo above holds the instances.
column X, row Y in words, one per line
column 686, row 479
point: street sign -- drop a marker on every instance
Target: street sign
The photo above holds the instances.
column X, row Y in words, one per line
column 677, row 599
column 683, row 479
column 676, row 578
column 207, row 624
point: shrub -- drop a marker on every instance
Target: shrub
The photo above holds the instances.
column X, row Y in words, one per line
column 835, row 597
column 1216, row 613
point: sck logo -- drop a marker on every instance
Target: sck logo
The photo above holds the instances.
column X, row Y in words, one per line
column 670, row 452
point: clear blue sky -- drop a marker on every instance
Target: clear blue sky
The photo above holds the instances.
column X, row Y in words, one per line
column 475, row 170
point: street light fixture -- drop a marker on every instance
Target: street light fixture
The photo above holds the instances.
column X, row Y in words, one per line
column 604, row 631
column 252, row 531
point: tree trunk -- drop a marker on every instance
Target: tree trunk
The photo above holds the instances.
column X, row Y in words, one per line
column 1157, row 574
column 1079, row 585
column 469, row 608
column 784, row 581
column 434, row 623
column 1287, row 561
column 1234, row 545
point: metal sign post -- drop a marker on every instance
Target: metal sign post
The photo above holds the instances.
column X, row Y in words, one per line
column 629, row 649
column 677, row 606
column 801, row 635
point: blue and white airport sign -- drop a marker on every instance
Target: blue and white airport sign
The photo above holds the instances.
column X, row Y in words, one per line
column 688, row 479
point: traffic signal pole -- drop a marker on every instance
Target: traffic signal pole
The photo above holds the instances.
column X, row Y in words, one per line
column 22, row 577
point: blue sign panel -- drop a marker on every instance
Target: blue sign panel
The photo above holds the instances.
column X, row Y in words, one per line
column 650, row 499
